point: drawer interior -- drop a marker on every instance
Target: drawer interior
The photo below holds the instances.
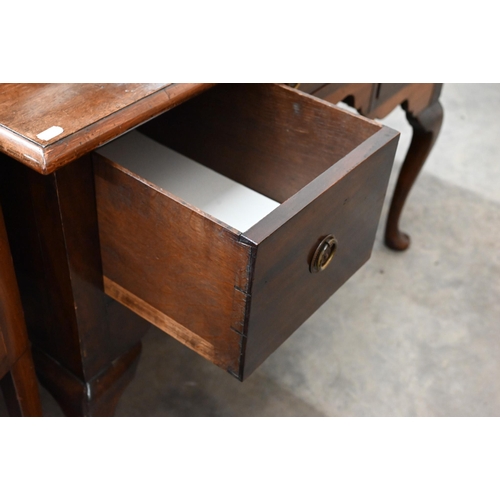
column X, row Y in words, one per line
column 204, row 188
column 231, row 153
column 261, row 136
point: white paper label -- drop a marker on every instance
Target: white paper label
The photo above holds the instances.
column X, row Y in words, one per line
column 50, row 133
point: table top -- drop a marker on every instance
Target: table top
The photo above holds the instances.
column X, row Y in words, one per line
column 47, row 125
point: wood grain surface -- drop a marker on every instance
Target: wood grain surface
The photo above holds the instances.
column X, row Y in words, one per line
column 346, row 202
column 97, row 397
column 414, row 97
column 4, row 362
column 377, row 100
column 20, row 388
column 89, row 114
column 17, row 373
column 357, row 95
column 162, row 321
column 423, row 112
column 426, row 126
column 55, row 244
column 12, row 325
column 181, row 262
column 30, row 108
column 270, row 138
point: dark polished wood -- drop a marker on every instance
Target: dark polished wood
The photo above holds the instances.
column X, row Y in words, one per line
column 4, row 355
column 411, row 96
column 89, row 114
column 234, row 298
column 384, row 91
column 97, row 397
column 426, row 126
column 30, row 108
column 270, row 138
column 17, row 374
column 346, row 202
column 170, row 263
column 357, row 95
column 70, row 320
column 86, row 344
column 327, row 167
column 20, row 388
column 424, row 113
column 79, row 334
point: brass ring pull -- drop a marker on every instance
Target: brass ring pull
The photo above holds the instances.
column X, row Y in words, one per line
column 323, row 254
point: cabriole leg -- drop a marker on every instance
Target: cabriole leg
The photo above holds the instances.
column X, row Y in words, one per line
column 426, row 126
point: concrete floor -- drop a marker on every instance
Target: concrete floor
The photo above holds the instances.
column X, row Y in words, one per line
column 411, row 334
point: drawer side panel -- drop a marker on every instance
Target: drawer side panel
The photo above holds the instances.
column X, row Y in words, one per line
column 172, row 265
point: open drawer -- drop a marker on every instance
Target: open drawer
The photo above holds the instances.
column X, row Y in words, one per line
column 235, row 294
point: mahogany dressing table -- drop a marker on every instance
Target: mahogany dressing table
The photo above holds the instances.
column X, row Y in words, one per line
column 101, row 251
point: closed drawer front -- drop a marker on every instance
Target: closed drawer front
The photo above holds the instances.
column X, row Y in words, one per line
column 234, row 294
column 386, row 91
column 358, row 95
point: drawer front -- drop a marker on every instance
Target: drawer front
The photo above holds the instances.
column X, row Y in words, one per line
column 235, row 297
column 357, row 95
column 345, row 202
